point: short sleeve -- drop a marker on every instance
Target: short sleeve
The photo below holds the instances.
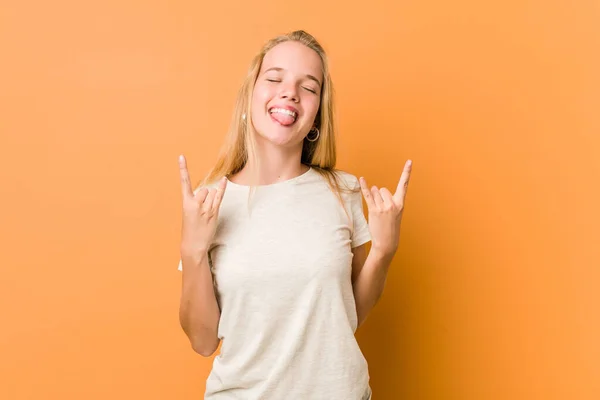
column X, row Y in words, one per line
column 360, row 231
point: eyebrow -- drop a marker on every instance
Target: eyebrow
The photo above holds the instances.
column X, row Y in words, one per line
column 309, row 76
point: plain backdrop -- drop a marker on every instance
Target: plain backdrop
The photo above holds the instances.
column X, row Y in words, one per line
column 495, row 290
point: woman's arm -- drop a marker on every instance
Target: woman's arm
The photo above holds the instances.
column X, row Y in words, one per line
column 369, row 275
column 198, row 310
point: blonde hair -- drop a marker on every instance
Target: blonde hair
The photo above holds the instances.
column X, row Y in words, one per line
column 240, row 144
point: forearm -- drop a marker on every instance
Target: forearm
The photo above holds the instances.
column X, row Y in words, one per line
column 199, row 311
column 370, row 282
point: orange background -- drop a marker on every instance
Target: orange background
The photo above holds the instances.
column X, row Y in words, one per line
column 494, row 293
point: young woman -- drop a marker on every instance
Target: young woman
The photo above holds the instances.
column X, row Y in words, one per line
column 276, row 266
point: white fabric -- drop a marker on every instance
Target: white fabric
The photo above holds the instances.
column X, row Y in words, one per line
column 283, row 278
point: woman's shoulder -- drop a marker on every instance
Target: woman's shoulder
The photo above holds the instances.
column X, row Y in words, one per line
column 343, row 182
column 348, row 179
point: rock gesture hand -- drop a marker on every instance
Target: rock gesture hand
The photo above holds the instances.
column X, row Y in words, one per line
column 385, row 212
column 200, row 213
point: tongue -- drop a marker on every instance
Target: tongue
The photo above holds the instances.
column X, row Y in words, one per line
column 283, row 119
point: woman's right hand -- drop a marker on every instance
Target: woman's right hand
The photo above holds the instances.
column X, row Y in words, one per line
column 200, row 214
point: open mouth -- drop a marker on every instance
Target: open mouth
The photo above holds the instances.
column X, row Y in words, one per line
column 283, row 116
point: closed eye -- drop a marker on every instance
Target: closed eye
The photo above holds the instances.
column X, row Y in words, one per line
column 311, row 90
column 273, row 80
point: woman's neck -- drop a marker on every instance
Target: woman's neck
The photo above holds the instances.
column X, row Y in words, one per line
column 275, row 165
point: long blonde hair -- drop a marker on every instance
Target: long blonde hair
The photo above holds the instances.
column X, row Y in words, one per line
column 240, row 144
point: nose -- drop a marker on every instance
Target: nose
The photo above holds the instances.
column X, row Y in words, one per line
column 289, row 92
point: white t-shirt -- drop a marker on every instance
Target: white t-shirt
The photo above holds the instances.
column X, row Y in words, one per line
column 282, row 271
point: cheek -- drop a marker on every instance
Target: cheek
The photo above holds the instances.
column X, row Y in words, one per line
column 311, row 108
column 260, row 98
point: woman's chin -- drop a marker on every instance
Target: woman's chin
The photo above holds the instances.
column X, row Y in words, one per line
column 279, row 138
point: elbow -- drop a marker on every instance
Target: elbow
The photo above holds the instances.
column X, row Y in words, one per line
column 203, row 348
column 203, row 340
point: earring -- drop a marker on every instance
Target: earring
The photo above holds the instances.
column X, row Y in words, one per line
column 316, row 137
column 244, row 116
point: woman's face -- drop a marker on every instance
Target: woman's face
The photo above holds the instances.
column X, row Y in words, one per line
column 287, row 94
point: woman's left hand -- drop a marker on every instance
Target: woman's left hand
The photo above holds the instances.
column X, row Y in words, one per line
column 385, row 213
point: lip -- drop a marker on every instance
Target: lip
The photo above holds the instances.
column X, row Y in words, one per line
column 286, row 107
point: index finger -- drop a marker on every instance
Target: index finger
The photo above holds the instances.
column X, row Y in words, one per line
column 186, row 186
column 366, row 192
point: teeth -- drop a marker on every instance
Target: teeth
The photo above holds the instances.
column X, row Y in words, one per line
column 283, row 111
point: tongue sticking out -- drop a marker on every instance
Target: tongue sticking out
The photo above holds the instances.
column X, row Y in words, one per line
column 283, row 119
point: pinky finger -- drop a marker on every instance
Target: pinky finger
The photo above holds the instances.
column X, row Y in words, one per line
column 219, row 195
